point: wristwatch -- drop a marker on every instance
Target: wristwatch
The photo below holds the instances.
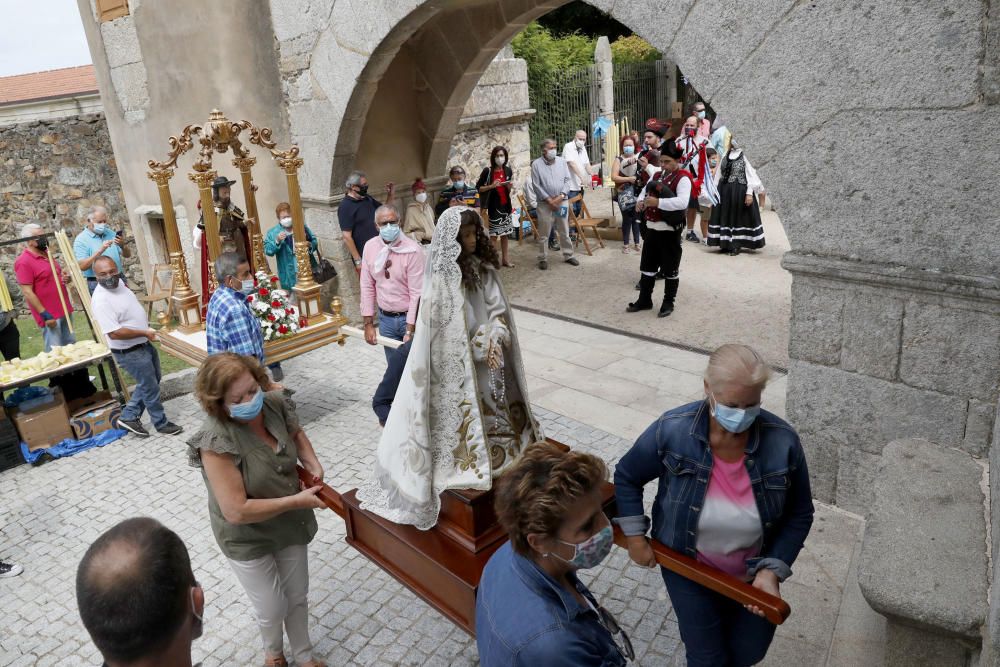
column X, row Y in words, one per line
column 357, row 262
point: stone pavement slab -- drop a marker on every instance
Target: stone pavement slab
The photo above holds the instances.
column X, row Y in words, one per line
column 359, row 615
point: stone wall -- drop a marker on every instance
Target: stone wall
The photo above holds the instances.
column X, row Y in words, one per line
column 52, row 172
column 879, row 355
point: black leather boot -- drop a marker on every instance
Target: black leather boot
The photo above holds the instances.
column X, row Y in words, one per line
column 645, row 300
column 669, row 294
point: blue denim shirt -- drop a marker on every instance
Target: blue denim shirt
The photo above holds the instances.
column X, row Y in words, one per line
column 675, row 450
column 525, row 618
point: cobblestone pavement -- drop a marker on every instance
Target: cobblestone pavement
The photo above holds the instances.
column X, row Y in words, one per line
column 360, row 615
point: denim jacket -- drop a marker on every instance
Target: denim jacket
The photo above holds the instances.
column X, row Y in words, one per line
column 675, row 449
column 525, row 618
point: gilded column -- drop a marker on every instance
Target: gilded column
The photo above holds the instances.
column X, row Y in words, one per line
column 184, row 301
column 203, row 179
column 244, row 164
column 306, row 290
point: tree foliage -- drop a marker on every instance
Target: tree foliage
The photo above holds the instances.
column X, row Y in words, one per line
column 547, row 54
column 580, row 17
column 633, row 49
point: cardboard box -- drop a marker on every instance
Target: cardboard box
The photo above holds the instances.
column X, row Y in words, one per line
column 95, row 418
column 44, row 425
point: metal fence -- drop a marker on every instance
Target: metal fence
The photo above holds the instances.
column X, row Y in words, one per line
column 567, row 101
column 564, row 103
column 635, row 92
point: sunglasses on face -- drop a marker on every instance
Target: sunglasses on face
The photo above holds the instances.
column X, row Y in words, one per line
column 388, row 263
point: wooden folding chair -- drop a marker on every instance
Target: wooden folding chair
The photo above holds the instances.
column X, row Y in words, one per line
column 585, row 222
column 157, row 291
column 531, row 220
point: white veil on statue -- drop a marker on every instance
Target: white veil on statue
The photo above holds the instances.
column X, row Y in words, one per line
column 446, row 430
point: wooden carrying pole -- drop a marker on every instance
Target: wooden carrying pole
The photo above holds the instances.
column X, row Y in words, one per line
column 59, row 289
column 775, row 609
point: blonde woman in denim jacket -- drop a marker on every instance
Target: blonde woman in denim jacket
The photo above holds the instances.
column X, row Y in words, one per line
column 733, row 492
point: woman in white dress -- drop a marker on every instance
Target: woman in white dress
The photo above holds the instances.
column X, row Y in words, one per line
column 461, row 414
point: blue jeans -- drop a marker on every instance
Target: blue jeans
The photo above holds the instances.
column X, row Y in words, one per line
column 717, row 631
column 391, row 326
column 58, row 335
column 143, row 364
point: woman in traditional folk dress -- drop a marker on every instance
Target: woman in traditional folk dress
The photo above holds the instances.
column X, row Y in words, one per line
column 461, row 414
column 736, row 221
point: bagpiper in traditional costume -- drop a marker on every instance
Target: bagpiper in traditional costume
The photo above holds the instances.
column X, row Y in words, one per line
column 664, row 200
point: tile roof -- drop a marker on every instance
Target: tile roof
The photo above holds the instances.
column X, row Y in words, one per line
column 52, row 84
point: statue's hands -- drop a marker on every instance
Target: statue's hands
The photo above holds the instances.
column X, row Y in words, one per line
column 494, row 355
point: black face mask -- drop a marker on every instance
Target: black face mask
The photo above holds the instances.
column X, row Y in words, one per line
column 42, row 244
column 363, row 190
column 110, row 282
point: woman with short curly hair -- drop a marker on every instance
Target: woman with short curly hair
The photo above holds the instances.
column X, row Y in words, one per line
column 248, row 449
column 531, row 609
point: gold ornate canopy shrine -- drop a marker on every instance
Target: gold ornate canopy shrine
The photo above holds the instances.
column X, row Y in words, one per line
column 220, row 135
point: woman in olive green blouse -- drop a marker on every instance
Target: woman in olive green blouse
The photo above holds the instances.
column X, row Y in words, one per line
column 263, row 521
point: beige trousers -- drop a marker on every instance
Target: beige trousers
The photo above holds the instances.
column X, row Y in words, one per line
column 278, row 588
column 546, row 218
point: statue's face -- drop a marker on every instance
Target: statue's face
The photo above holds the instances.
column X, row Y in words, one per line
column 224, row 194
column 467, row 238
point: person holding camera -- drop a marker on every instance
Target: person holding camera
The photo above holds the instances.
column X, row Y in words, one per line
column 98, row 240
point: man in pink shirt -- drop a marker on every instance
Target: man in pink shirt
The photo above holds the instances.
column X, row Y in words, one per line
column 41, row 288
column 392, row 275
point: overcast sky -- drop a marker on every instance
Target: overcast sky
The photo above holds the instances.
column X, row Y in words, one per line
column 39, row 35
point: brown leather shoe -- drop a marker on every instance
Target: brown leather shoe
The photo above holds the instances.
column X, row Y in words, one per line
column 275, row 661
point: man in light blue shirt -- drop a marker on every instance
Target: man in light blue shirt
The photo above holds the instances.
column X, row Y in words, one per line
column 97, row 240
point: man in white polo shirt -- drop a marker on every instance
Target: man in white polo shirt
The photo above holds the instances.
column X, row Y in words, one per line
column 126, row 327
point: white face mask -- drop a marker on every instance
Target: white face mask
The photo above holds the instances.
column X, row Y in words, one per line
column 550, row 154
column 501, row 159
column 580, row 143
column 421, row 197
column 285, row 222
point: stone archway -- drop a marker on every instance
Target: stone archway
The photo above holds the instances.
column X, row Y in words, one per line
column 817, row 90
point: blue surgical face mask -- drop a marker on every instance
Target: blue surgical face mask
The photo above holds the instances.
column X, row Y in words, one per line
column 389, row 233
column 100, row 228
column 459, row 184
column 734, row 420
column 629, row 150
column 247, row 411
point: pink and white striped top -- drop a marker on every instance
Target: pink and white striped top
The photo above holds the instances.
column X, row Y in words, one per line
column 729, row 530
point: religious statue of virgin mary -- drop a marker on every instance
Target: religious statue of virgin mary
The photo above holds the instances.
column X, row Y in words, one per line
column 461, row 414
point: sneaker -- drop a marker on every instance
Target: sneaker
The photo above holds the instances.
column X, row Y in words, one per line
column 543, row 264
column 573, row 261
column 554, row 246
column 133, row 426
column 625, row 250
column 9, row 570
column 691, row 236
column 170, row 428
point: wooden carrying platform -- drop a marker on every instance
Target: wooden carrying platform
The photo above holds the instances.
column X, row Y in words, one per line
column 443, row 565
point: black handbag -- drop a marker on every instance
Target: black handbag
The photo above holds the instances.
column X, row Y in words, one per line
column 323, row 270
